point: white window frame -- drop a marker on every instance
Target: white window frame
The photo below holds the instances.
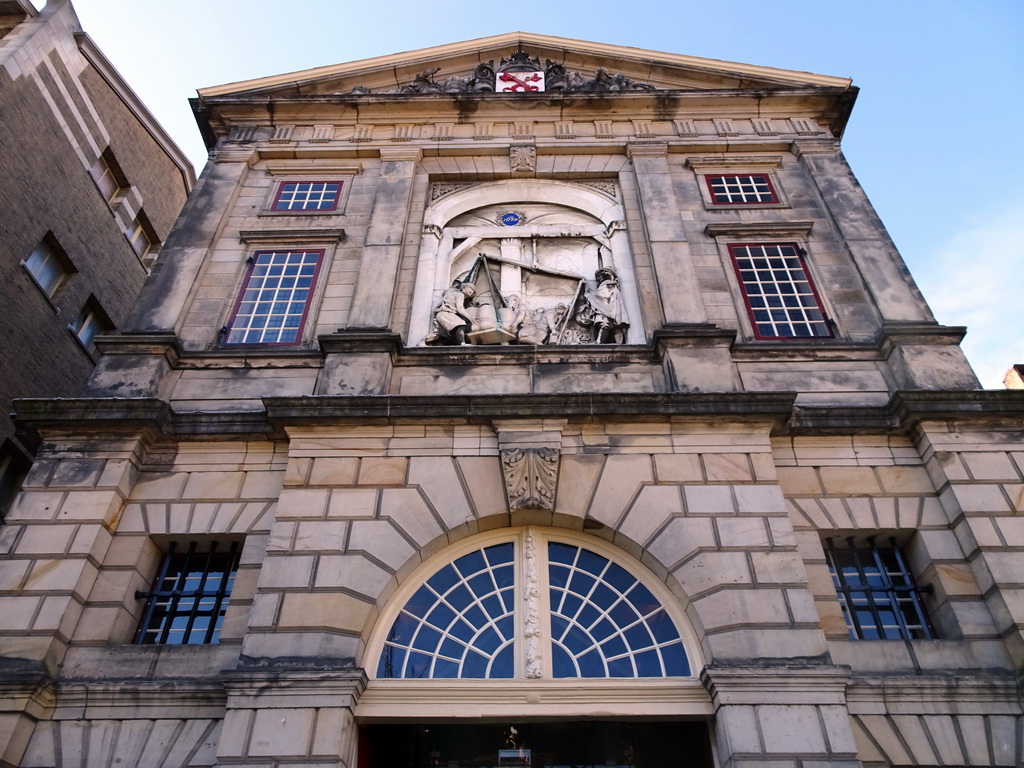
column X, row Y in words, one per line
column 50, row 256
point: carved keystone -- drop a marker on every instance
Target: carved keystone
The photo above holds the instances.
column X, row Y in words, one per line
column 530, row 452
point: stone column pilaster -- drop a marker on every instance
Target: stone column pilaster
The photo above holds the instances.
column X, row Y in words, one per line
column 378, row 271
column 874, row 254
column 978, row 477
column 293, row 717
column 781, row 716
column 53, row 540
column 165, row 293
column 681, row 301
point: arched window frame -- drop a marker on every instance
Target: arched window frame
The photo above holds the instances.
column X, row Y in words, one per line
column 519, row 537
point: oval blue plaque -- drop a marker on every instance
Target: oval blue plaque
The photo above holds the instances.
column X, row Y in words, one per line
column 510, row 219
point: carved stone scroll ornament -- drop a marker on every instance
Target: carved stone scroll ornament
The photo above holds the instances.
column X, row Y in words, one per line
column 530, row 477
column 531, row 600
column 555, row 78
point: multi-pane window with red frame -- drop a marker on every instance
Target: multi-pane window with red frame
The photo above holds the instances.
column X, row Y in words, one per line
column 308, row 196
column 741, row 189
column 275, row 297
column 781, row 299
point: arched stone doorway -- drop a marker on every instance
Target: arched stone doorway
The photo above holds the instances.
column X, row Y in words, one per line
column 534, row 647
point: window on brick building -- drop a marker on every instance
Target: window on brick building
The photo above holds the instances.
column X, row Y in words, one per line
column 48, row 265
column 876, row 590
column 307, row 196
column 190, row 595
column 275, row 298
column 781, row 299
column 109, row 178
column 741, row 189
column 91, row 321
column 142, row 237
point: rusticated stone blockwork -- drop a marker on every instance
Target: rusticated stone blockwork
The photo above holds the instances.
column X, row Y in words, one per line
column 533, row 446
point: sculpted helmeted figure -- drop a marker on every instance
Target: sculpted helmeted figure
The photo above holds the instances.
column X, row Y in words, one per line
column 606, row 309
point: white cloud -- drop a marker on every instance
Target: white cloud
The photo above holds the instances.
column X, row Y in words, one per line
column 976, row 279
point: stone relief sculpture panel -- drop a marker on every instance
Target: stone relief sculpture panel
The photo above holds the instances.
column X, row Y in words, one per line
column 527, row 273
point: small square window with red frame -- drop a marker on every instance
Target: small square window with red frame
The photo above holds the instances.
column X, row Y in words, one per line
column 275, row 298
column 748, row 189
column 781, row 298
column 307, row 197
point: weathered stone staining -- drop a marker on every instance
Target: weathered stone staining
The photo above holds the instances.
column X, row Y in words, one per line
column 540, row 330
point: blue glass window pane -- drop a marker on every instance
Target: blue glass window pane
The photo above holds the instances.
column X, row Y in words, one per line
column 562, row 663
column 621, row 667
column 591, row 562
column 648, row 664
column 503, row 665
column 417, row 665
column 420, row 602
column 591, row 664
column 613, row 646
column 452, row 648
column 676, row 663
column 561, row 553
column 475, row 665
column 444, row 668
column 614, row 610
column 558, row 577
column 427, row 639
column 456, row 629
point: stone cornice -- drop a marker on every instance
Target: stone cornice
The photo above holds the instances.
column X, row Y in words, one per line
column 771, row 684
column 750, row 228
column 533, row 698
column 96, row 416
column 305, row 235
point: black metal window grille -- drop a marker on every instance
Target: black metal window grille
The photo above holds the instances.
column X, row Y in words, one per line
column 877, row 592
column 189, row 597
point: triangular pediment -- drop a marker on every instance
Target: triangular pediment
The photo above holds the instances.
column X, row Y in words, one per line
column 568, row 65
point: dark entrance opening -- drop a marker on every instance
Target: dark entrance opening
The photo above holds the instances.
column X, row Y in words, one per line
column 556, row 744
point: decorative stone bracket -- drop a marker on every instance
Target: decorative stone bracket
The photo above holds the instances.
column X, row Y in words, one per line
column 530, row 452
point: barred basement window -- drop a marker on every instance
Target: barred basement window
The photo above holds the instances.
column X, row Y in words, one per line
column 189, row 597
column 736, row 189
column 781, row 299
column 876, row 591
column 307, row 196
column 275, row 298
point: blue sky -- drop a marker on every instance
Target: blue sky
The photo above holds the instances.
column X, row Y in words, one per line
column 933, row 137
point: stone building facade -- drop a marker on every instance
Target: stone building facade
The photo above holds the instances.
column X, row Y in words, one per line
column 89, row 187
column 522, row 401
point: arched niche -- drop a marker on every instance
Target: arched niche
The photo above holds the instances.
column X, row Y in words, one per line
column 532, row 249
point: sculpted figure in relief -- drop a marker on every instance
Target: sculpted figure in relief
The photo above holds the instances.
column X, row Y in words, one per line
column 603, row 307
column 451, row 316
column 543, row 325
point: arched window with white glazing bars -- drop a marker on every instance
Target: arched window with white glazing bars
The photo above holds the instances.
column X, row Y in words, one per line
column 531, row 606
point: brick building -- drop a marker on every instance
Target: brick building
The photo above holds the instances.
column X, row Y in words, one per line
column 89, row 185
column 522, row 402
